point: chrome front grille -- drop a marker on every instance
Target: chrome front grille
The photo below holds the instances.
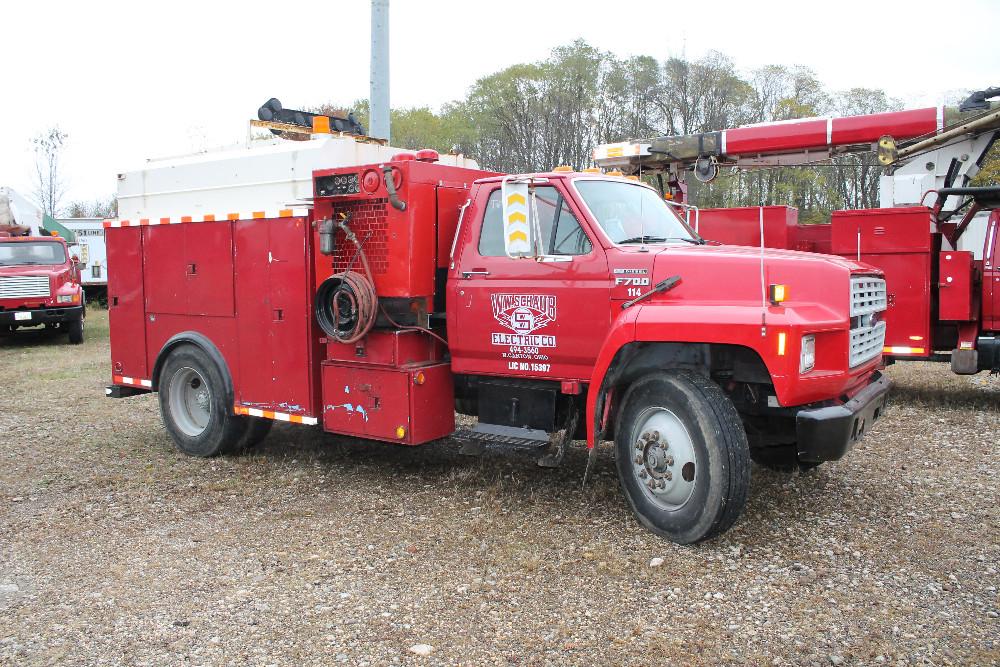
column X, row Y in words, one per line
column 868, row 300
column 866, row 343
column 22, row 287
column 867, row 295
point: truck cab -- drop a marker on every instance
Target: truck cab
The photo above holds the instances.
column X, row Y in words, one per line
column 617, row 300
column 40, row 286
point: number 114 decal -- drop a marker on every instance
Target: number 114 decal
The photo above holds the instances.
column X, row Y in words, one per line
column 633, row 284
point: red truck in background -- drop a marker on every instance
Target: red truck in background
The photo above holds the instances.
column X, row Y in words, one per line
column 40, row 286
column 551, row 306
column 943, row 304
column 934, row 236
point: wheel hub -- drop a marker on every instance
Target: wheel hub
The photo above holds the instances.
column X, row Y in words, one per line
column 190, row 401
column 663, row 449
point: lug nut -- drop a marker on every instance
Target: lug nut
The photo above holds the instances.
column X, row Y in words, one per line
column 639, row 444
column 669, row 460
column 638, row 459
column 654, row 436
column 643, row 474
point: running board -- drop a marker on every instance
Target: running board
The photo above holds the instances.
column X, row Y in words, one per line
column 484, row 436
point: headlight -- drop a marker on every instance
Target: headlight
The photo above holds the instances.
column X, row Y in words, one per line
column 65, row 298
column 807, row 357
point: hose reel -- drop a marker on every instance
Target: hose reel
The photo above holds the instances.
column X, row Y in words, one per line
column 346, row 302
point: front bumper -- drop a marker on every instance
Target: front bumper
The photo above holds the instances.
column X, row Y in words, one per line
column 52, row 315
column 826, row 434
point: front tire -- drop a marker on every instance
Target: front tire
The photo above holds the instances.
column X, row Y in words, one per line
column 682, row 456
column 194, row 404
column 75, row 331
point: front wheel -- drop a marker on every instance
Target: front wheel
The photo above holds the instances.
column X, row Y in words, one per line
column 682, row 456
column 194, row 405
column 75, row 331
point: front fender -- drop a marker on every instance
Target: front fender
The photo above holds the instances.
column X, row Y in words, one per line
column 622, row 333
column 713, row 323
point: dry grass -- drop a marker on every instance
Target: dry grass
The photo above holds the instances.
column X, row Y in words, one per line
column 114, row 549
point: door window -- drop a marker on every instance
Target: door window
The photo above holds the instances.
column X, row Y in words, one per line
column 561, row 233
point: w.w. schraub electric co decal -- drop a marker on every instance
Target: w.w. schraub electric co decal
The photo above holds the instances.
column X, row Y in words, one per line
column 524, row 314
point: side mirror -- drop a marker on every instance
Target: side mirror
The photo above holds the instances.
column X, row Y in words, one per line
column 518, row 236
column 74, row 259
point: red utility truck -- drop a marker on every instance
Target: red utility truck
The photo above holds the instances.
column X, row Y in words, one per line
column 550, row 306
column 40, row 286
column 935, row 237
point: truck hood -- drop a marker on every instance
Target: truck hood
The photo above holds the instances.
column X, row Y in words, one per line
column 34, row 270
column 731, row 275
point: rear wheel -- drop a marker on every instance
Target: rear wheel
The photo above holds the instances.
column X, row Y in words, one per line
column 194, row 405
column 682, row 456
column 75, row 331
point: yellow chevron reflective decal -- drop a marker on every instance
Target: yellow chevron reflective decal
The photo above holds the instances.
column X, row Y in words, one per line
column 517, row 237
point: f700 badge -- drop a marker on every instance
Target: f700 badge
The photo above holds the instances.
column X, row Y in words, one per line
column 632, row 281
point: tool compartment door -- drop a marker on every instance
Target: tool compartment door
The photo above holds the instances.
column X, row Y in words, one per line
column 991, row 275
column 900, row 243
column 409, row 406
column 164, row 269
column 126, row 310
column 273, row 304
column 209, row 268
column 955, row 285
column 189, row 268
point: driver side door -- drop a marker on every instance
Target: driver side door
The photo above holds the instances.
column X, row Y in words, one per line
column 530, row 317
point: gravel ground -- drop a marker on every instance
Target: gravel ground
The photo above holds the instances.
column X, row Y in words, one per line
column 116, row 550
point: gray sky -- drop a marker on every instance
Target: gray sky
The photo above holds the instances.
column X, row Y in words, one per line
column 132, row 80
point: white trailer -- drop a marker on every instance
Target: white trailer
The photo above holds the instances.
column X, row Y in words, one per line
column 88, row 245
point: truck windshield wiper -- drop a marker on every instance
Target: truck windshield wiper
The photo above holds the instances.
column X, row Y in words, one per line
column 686, row 239
column 643, row 239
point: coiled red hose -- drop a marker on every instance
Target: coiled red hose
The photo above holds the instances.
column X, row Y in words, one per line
column 346, row 302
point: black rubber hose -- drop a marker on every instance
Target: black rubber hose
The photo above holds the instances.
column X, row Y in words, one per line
column 390, row 185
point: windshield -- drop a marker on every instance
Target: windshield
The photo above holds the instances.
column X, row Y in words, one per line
column 631, row 213
column 28, row 254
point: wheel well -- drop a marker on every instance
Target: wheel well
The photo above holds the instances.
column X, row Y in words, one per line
column 202, row 342
column 724, row 364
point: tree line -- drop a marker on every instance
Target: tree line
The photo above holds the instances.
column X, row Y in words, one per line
column 534, row 116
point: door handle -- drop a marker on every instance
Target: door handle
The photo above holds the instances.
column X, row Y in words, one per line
column 475, row 272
